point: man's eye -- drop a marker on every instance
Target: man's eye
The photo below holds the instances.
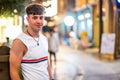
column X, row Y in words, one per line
column 34, row 17
column 41, row 17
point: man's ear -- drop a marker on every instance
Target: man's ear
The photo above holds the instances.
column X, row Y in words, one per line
column 27, row 18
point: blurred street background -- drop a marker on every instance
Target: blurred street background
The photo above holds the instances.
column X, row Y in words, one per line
column 73, row 64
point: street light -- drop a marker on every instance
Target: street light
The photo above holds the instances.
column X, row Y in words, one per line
column 69, row 20
column 117, row 2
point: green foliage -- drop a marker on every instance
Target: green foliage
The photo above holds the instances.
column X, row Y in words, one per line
column 7, row 7
column 20, row 74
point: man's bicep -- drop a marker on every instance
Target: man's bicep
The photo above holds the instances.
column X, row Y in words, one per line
column 15, row 60
column 16, row 53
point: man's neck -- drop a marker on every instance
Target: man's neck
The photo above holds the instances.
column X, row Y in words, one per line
column 32, row 33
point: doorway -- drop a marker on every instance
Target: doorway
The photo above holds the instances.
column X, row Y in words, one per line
column 117, row 54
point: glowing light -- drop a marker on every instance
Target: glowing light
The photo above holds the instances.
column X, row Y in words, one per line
column 87, row 15
column 50, row 24
column 6, row 21
column 80, row 17
column 103, row 9
column 15, row 11
column 12, row 32
column 9, row 29
column 119, row 1
column 72, row 34
column 82, row 25
column 89, row 22
column 69, row 20
column 45, row 23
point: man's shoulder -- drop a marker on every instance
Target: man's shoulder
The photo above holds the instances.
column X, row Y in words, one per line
column 17, row 40
column 21, row 38
column 21, row 34
column 43, row 36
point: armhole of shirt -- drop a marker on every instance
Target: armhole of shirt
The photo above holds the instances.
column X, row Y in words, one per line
column 23, row 44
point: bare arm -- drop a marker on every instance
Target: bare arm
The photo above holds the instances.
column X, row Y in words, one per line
column 16, row 54
column 49, row 71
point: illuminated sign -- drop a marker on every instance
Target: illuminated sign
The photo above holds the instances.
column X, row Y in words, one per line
column 51, row 8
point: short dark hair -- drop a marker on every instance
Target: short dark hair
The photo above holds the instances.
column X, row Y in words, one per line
column 34, row 9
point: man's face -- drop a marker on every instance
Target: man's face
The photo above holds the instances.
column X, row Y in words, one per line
column 35, row 21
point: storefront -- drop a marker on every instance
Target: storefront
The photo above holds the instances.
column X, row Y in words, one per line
column 85, row 21
column 117, row 24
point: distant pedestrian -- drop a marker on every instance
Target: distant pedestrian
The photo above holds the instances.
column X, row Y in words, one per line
column 7, row 43
column 53, row 44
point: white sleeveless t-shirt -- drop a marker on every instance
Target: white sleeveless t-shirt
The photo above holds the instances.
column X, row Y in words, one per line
column 35, row 61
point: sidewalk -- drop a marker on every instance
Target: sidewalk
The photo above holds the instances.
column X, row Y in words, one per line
column 77, row 65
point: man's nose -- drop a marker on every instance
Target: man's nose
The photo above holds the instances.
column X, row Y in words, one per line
column 39, row 20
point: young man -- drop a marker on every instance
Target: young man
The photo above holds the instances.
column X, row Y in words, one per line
column 29, row 50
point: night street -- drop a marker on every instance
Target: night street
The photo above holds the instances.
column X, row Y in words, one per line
column 77, row 65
